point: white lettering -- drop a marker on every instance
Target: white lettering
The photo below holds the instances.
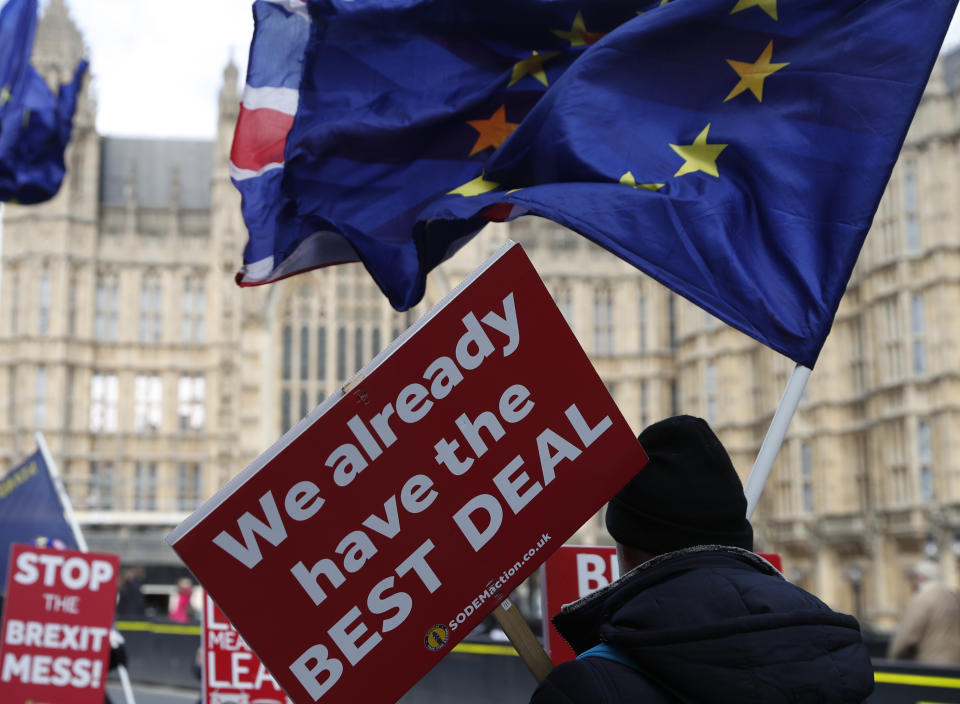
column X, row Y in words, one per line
column 474, row 535
column 348, row 641
column 586, row 434
column 507, row 324
column 546, row 441
column 297, row 503
column 250, row 526
column 590, row 573
column 510, row 487
column 313, row 663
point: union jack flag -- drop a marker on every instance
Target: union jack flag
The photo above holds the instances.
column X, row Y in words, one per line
column 270, row 101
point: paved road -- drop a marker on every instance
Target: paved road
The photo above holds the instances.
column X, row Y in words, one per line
column 148, row 694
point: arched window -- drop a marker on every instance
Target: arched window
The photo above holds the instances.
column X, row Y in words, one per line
column 151, row 308
column 303, row 360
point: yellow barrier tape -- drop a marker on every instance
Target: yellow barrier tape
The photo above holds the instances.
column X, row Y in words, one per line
column 482, row 649
column 168, row 628
column 917, row 680
column 192, row 630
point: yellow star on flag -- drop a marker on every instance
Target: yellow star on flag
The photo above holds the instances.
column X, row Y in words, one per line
column 475, row 187
column 753, row 75
column 532, row 66
column 578, row 34
column 628, row 180
column 4, row 94
column 768, row 6
column 493, row 131
column 699, row 156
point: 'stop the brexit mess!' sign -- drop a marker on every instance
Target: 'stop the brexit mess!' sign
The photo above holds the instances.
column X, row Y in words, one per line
column 56, row 625
column 373, row 536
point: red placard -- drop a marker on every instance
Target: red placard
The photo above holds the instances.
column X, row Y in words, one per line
column 352, row 555
column 56, row 626
column 773, row 558
column 231, row 671
column 571, row 573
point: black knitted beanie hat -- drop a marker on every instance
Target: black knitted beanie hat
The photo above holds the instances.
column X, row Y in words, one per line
column 688, row 494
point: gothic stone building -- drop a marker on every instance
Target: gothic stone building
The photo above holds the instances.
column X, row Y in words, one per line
column 155, row 379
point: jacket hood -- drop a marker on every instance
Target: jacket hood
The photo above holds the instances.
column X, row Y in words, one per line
column 721, row 624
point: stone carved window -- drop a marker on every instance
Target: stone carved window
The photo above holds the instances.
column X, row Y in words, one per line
column 106, row 307
column 925, row 461
column 145, row 486
column 603, row 322
column 151, row 308
column 40, row 397
column 193, row 307
column 43, row 302
column 147, row 403
column 189, row 492
column 918, row 328
column 191, row 402
column 104, row 394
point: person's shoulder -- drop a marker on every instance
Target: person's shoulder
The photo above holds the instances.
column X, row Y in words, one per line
column 556, row 687
column 935, row 594
column 596, row 681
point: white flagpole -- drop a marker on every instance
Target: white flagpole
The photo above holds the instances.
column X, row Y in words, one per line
column 774, row 438
column 77, row 535
column 61, row 492
column 125, row 683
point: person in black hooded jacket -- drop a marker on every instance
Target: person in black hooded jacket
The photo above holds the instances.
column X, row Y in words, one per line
column 697, row 617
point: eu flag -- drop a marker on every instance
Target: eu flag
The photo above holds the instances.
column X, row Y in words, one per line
column 35, row 124
column 30, row 510
column 735, row 150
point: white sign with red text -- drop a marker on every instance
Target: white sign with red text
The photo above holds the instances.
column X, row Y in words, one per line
column 56, row 626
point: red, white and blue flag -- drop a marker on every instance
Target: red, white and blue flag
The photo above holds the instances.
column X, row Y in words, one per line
column 270, row 100
column 392, row 131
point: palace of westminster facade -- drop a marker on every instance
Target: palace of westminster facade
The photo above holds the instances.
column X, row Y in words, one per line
column 154, row 378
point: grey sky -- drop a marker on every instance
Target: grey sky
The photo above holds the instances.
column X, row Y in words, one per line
column 158, row 64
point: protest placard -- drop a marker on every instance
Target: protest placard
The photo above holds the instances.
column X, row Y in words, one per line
column 379, row 531
column 570, row 573
column 232, row 673
column 56, row 626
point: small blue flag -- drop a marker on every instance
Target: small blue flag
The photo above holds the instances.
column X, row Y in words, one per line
column 35, row 124
column 31, row 511
column 735, row 150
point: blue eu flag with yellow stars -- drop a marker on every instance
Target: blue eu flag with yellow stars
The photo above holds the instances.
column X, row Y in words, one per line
column 30, row 510
column 735, row 150
column 35, row 124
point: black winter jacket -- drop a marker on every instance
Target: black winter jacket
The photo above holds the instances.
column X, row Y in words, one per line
column 710, row 625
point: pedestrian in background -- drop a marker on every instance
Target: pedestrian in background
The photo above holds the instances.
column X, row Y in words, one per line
column 180, row 610
column 130, row 599
column 929, row 630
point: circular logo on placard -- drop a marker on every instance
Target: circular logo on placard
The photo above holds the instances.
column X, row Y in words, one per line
column 436, row 637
